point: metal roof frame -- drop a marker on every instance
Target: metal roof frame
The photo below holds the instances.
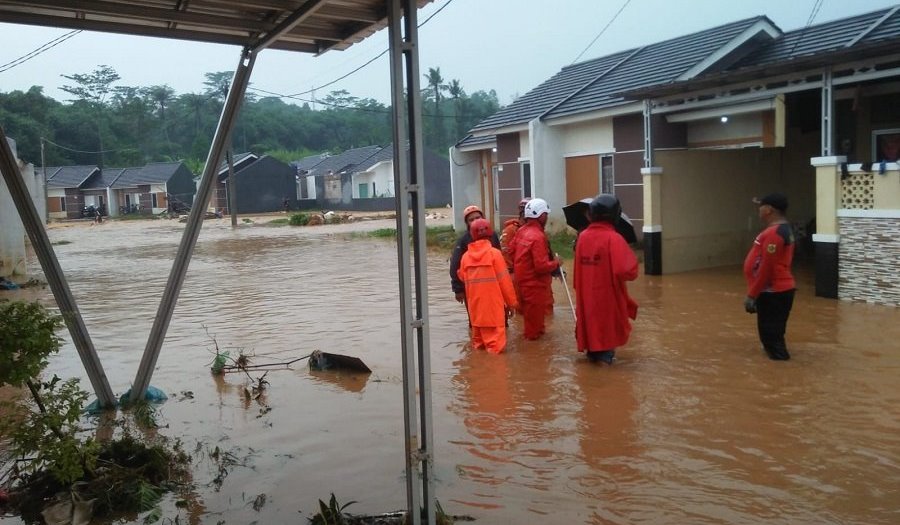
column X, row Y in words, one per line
column 312, row 26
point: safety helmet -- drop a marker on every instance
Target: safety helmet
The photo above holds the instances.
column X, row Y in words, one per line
column 523, row 202
column 606, row 207
column 471, row 209
column 535, row 208
column 480, row 229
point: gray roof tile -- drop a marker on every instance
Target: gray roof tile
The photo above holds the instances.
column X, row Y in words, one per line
column 654, row 64
column 827, row 37
column 70, row 176
column 345, row 161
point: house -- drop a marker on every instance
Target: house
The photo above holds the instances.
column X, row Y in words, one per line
column 150, row 189
column 65, row 199
column 363, row 179
column 262, row 185
column 687, row 130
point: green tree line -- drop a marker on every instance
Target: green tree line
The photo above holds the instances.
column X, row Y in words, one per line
column 133, row 125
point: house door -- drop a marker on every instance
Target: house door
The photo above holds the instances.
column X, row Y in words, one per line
column 582, row 177
column 364, row 191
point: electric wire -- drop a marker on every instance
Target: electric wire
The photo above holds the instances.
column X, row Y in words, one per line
column 613, row 19
column 46, row 47
column 812, row 16
column 342, row 77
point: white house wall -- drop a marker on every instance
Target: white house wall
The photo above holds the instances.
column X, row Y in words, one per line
column 12, row 231
column 744, row 127
column 587, row 138
column 465, row 181
column 382, row 174
column 548, row 169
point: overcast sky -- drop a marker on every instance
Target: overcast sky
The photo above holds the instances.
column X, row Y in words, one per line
column 510, row 46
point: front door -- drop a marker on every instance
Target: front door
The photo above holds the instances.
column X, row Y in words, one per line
column 582, row 177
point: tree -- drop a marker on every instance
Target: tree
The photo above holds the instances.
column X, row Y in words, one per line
column 93, row 88
column 436, row 86
column 454, row 88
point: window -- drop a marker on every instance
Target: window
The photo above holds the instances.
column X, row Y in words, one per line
column 886, row 145
column 153, row 200
column 62, row 204
column 607, row 180
column 526, row 179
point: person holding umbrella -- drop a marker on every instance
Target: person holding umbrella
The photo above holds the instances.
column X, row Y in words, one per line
column 490, row 296
column 533, row 267
column 603, row 264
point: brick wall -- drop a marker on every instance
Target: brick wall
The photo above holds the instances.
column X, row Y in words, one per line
column 869, row 259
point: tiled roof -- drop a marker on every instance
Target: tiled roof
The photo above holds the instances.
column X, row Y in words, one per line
column 545, row 96
column 828, row 37
column 128, row 178
column 70, row 176
column 307, row 163
column 103, row 180
column 237, row 160
column 385, row 153
column 471, row 141
column 654, row 64
column 345, row 161
column 593, row 84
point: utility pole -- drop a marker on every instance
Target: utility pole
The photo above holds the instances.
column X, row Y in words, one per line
column 232, row 195
column 44, row 172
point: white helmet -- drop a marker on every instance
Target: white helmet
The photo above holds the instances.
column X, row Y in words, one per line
column 535, row 208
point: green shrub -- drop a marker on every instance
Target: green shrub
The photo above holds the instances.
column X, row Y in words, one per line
column 299, row 219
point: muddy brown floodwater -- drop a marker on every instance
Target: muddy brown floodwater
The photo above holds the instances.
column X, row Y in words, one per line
column 693, row 424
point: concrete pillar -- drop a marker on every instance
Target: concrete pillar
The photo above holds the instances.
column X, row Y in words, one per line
column 652, row 220
column 827, row 236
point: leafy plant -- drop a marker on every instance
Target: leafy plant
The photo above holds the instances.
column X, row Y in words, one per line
column 27, row 339
column 299, row 219
column 331, row 513
column 49, row 437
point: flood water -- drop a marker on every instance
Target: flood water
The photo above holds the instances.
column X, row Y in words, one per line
column 693, row 424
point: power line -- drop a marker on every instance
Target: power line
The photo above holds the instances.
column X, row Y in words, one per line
column 308, row 91
column 82, row 151
column 812, row 16
column 46, row 47
column 613, row 19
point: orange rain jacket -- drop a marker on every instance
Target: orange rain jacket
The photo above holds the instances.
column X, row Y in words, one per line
column 489, row 287
column 510, row 228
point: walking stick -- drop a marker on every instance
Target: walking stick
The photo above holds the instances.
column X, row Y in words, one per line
column 562, row 274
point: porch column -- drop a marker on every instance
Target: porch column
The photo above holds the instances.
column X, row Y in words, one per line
column 652, row 220
column 827, row 236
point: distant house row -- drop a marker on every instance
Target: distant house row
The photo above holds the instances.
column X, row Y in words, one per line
column 359, row 179
column 152, row 188
column 363, row 179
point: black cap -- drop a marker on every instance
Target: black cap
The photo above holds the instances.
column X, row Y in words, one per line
column 775, row 200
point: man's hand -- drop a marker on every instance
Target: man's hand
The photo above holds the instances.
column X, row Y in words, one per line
column 750, row 305
column 460, row 297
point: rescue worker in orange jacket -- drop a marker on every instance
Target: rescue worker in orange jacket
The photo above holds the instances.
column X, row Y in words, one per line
column 470, row 213
column 490, row 296
column 533, row 267
column 510, row 227
column 603, row 263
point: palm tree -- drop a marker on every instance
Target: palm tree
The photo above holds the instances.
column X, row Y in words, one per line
column 456, row 92
column 436, row 82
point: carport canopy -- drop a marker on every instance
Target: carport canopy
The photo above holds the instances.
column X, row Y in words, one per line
column 309, row 26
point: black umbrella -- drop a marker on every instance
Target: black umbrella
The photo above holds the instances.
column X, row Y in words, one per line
column 577, row 217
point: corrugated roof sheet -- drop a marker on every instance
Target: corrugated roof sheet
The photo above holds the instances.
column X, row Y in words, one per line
column 657, row 63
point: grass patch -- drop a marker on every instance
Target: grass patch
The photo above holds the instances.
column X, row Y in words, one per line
column 442, row 237
column 275, row 223
column 135, row 217
column 299, row 219
column 563, row 243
